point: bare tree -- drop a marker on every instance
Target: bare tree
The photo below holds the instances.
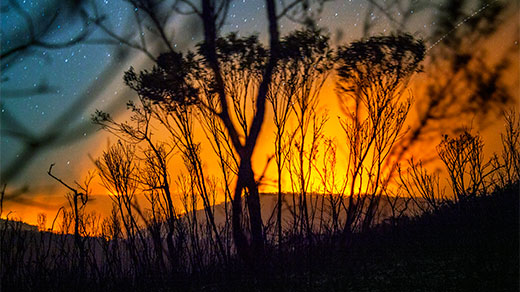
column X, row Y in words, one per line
column 331, row 188
column 77, row 200
column 372, row 77
column 245, row 148
column 302, row 70
column 508, row 163
column 468, row 172
column 422, row 187
column 222, row 59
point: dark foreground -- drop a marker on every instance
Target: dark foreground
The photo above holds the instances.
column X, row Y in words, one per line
column 470, row 246
column 462, row 247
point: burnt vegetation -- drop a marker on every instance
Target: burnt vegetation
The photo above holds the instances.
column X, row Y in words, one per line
column 385, row 223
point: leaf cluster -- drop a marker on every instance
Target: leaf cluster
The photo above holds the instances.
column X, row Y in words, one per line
column 393, row 57
column 243, row 53
column 168, row 82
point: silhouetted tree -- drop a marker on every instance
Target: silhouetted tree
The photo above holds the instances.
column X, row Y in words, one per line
column 508, row 163
column 372, row 78
column 422, row 187
column 78, row 199
column 303, row 68
column 468, row 171
column 222, row 65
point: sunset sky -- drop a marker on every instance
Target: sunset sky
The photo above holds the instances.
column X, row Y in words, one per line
column 88, row 76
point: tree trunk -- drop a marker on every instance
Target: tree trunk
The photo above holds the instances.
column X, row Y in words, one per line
column 253, row 251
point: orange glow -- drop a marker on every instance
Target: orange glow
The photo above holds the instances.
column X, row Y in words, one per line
column 27, row 208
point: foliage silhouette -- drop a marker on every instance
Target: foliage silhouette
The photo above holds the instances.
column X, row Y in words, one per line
column 372, row 75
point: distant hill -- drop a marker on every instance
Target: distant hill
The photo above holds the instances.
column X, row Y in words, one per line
column 315, row 202
column 18, row 225
column 268, row 201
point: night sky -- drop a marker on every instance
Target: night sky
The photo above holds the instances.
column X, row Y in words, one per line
column 88, row 76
